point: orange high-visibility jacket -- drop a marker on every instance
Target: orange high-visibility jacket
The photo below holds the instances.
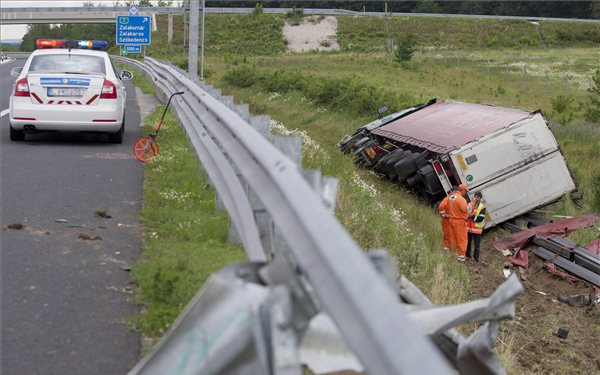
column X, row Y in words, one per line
column 476, row 223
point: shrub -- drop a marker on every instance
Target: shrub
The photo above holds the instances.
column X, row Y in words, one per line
column 592, row 109
column 258, row 10
column 348, row 94
column 563, row 109
column 295, row 16
column 241, row 77
column 406, row 48
column 596, row 192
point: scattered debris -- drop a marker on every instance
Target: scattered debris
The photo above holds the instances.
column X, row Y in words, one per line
column 521, row 259
column 102, row 213
column 61, row 221
column 563, row 332
column 506, row 252
column 521, row 238
column 578, row 300
column 594, row 246
column 551, row 267
column 16, row 226
column 542, row 293
column 506, row 270
column 76, row 226
column 569, row 266
column 126, row 268
column 87, row 237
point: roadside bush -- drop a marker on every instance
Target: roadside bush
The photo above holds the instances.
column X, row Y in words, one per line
column 295, row 16
column 406, row 48
column 596, row 192
column 258, row 10
column 241, row 77
column 563, row 109
column 348, row 94
column 592, row 109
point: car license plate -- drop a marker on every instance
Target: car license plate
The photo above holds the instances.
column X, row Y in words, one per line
column 65, row 91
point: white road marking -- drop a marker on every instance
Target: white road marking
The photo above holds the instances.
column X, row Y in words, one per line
column 4, row 112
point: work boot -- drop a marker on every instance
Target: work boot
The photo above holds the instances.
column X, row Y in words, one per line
column 578, row 300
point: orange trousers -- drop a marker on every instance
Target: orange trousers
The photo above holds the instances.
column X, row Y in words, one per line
column 446, row 230
column 458, row 236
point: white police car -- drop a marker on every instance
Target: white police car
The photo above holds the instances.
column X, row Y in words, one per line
column 68, row 86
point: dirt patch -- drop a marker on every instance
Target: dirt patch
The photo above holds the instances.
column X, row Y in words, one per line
column 539, row 315
column 312, row 34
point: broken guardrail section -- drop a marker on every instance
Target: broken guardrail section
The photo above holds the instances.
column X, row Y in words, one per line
column 309, row 295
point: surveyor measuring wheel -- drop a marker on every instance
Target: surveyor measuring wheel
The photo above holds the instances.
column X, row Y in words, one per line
column 146, row 147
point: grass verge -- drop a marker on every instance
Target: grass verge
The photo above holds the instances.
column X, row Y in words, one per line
column 139, row 79
column 185, row 239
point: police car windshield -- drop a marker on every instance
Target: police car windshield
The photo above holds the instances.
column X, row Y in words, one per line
column 67, row 62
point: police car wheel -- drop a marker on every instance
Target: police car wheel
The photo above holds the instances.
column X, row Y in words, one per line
column 16, row 135
column 118, row 136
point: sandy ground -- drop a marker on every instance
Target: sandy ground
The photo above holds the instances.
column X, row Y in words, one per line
column 312, row 35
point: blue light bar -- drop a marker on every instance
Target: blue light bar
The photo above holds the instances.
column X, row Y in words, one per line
column 92, row 44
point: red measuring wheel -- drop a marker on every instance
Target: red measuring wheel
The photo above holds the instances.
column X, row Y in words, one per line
column 145, row 148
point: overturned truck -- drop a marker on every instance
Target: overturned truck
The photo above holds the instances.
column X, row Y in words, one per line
column 509, row 155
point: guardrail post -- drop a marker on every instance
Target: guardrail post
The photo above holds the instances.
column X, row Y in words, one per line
column 290, row 145
column 262, row 124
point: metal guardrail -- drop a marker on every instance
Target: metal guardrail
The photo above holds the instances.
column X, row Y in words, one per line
column 10, row 14
column 285, row 218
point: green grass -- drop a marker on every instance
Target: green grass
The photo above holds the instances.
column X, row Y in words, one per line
column 368, row 34
column 185, row 239
column 229, row 36
column 139, row 79
column 479, row 61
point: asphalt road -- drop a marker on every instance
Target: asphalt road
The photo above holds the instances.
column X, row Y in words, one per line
column 65, row 290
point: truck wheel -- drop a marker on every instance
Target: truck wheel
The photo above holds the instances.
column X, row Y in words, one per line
column 16, row 135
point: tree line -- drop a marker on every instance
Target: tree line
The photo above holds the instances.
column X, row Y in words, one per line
column 555, row 9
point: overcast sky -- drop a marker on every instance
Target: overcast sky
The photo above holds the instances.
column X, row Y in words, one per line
column 17, row 31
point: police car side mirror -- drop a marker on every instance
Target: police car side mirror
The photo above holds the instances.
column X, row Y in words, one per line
column 126, row 75
column 15, row 72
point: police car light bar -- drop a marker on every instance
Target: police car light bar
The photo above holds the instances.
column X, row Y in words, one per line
column 82, row 44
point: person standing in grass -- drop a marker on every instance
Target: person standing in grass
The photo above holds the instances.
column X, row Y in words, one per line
column 475, row 225
column 446, row 220
column 458, row 213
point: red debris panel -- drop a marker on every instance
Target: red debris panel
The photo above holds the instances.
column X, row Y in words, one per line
column 594, row 246
column 521, row 259
column 551, row 267
column 558, row 228
column 445, row 126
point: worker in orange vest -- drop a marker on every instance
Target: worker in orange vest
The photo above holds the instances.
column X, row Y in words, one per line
column 458, row 212
column 475, row 224
column 445, row 220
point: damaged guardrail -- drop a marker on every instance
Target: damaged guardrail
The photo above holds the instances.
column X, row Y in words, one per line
column 309, row 295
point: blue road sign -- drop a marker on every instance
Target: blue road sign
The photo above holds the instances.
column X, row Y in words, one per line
column 133, row 49
column 133, row 30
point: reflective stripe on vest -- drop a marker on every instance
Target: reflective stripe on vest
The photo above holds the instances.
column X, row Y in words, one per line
column 476, row 227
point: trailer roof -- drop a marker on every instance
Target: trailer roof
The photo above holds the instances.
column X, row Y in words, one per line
column 445, row 126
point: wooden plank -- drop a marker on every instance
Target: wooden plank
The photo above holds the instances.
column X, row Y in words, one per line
column 569, row 266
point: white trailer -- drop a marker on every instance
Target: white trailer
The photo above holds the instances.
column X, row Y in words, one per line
column 511, row 156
